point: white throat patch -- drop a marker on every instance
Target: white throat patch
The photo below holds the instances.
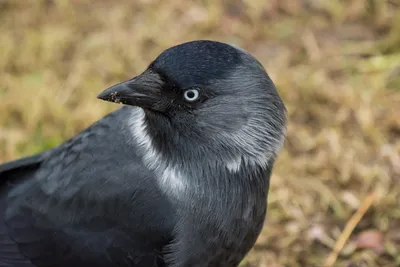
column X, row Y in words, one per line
column 170, row 179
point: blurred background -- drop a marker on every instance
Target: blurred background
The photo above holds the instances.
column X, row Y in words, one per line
column 335, row 192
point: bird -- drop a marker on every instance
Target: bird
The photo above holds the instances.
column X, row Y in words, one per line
column 177, row 176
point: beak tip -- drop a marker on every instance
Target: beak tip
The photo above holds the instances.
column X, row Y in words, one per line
column 102, row 96
column 108, row 95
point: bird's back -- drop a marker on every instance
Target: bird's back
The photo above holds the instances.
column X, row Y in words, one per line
column 88, row 201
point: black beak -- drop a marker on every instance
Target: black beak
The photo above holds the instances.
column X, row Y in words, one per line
column 142, row 91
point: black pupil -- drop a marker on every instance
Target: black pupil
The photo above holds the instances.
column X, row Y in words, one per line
column 190, row 94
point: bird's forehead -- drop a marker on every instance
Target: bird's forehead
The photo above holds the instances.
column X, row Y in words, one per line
column 198, row 62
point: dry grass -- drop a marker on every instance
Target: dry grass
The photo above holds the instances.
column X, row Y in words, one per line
column 336, row 64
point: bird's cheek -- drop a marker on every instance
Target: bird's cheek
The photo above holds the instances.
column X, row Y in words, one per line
column 162, row 106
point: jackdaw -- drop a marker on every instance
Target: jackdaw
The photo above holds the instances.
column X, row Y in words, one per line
column 178, row 176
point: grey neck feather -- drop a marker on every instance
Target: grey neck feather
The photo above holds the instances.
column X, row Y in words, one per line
column 185, row 161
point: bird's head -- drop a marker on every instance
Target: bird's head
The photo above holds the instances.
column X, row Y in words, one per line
column 207, row 96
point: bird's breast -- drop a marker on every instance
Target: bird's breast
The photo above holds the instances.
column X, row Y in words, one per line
column 221, row 221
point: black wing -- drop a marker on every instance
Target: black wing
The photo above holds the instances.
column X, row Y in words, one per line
column 20, row 168
column 89, row 202
column 15, row 172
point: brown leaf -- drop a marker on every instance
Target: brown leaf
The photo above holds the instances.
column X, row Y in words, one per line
column 370, row 239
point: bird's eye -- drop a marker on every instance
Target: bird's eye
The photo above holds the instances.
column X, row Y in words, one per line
column 191, row 95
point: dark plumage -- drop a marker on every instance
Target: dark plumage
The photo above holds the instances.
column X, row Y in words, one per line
column 177, row 177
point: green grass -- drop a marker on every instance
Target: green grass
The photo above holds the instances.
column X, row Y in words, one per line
column 335, row 63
